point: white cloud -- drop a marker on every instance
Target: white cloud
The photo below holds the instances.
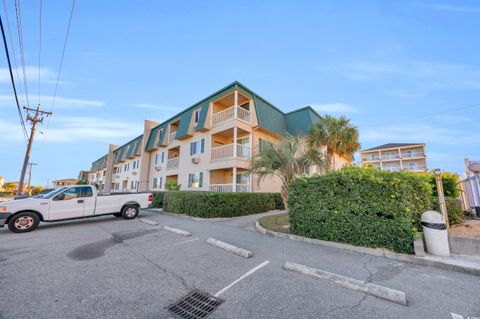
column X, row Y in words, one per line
column 334, row 108
column 46, row 100
column 446, row 7
column 152, row 106
column 75, row 129
column 405, row 93
column 46, row 74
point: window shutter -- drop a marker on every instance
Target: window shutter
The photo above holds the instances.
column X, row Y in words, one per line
column 190, row 177
column 202, row 147
column 200, row 182
column 191, row 148
column 163, row 156
column 161, row 182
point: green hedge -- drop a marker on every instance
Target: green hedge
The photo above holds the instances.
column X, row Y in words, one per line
column 279, row 204
column 211, row 205
column 157, row 200
column 364, row 207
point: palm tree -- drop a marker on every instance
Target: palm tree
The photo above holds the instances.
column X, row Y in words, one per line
column 287, row 160
column 337, row 134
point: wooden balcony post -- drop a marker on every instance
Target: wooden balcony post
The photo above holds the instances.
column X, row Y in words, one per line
column 235, row 104
column 234, row 142
column 234, row 180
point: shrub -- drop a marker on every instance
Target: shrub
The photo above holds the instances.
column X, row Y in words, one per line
column 279, row 204
column 157, row 200
column 172, row 186
column 454, row 209
column 360, row 206
column 211, row 205
column 449, row 181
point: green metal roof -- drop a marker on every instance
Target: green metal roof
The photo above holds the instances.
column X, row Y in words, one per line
column 299, row 121
column 126, row 150
column 99, row 164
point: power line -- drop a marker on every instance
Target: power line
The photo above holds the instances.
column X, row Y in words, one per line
column 5, row 7
column 39, row 50
column 22, row 123
column 22, row 50
column 63, row 54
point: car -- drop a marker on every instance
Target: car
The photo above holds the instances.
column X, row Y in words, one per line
column 69, row 202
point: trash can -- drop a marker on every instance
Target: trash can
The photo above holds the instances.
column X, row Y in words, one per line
column 435, row 233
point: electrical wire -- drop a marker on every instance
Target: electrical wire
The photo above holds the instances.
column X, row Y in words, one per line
column 22, row 50
column 39, row 51
column 22, row 122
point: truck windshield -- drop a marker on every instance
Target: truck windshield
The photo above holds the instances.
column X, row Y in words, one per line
column 53, row 193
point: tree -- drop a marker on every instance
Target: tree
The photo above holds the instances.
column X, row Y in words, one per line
column 337, row 134
column 288, row 159
column 36, row 189
column 172, row 186
column 81, row 182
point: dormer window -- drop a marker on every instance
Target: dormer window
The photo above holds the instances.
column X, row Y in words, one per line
column 196, row 117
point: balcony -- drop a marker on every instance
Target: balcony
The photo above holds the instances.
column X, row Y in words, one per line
column 171, row 137
column 390, row 157
column 226, row 188
column 226, row 152
column 172, row 163
column 418, row 168
column 228, row 114
column 412, row 155
column 371, row 159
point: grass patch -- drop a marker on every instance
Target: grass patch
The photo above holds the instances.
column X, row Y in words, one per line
column 278, row 223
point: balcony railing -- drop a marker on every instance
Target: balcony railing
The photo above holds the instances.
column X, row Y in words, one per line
column 225, row 152
column 226, row 188
column 412, row 155
column 172, row 163
column 371, row 159
column 414, row 168
column 171, row 137
column 228, row 114
column 390, row 157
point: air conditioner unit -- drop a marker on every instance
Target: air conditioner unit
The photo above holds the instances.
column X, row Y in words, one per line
column 196, row 160
column 158, row 168
column 134, row 173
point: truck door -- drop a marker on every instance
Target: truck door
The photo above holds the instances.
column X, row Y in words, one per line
column 67, row 204
column 88, row 201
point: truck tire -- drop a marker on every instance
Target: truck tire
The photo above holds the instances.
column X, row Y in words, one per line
column 130, row 211
column 23, row 222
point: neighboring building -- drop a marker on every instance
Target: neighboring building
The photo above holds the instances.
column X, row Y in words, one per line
column 13, row 186
column 208, row 146
column 83, row 175
column 2, row 180
column 64, row 182
column 396, row 157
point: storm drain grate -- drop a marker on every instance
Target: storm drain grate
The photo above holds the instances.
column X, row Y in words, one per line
column 197, row 304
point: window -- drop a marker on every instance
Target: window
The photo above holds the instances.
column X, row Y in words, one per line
column 195, row 180
column 196, row 117
column 155, row 183
column 126, row 167
column 132, row 184
column 104, row 173
column 263, row 143
column 159, row 158
column 197, row 147
column 75, row 192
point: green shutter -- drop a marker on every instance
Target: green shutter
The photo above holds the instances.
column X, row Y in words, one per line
column 202, row 145
column 191, row 148
column 200, row 182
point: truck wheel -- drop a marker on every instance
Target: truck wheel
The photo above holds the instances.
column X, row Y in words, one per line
column 23, row 222
column 130, row 211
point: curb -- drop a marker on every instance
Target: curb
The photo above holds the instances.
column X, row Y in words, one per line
column 382, row 292
column 378, row 252
column 230, row 248
column 199, row 219
column 177, row 231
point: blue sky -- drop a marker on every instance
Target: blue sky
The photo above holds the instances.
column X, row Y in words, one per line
column 388, row 65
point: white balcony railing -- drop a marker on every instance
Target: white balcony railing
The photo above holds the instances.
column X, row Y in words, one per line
column 171, row 137
column 390, row 157
column 413, row 155
column 414, row 168
column 225, row 152
column 371, row 159
column 392, row 168
column 225, row 188
column 228, row 114
column 172, row 163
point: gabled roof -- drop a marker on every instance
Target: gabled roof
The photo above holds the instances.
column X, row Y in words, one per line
column 127, row 150
column 392, row 145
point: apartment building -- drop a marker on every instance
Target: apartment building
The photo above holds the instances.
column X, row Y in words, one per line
column 396, row 157
column 208, row 146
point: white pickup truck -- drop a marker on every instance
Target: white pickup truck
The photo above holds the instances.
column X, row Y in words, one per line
column 80, row 201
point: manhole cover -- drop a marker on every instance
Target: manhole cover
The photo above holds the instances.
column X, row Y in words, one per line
column 197, row 304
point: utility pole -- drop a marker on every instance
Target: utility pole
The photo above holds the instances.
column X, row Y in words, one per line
column 30, row 176
column 37, row 118
column 441, row 196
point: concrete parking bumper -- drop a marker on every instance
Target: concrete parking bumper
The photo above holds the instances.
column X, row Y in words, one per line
column 230, row 248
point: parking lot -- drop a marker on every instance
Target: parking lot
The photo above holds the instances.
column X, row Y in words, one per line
column 108, row 267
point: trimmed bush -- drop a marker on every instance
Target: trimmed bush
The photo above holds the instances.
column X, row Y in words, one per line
column 454, row 209
column 279, row 204
column 360, row 206
column 211, row 205
column 157, row 200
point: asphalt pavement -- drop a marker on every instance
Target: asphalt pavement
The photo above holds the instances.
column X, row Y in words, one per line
column 108, row 267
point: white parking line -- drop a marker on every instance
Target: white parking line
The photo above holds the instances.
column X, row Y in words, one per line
column 251, row 271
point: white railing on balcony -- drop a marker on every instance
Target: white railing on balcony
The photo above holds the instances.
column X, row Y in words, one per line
column 417, row 168
column 171, row 137
column 228, row 114
column 226, row 188
column 243, row 114
column 225, row 152
column 172, row 163
column 371, row 159
column 392, row 168
column 390, row 156
column 412, row 155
